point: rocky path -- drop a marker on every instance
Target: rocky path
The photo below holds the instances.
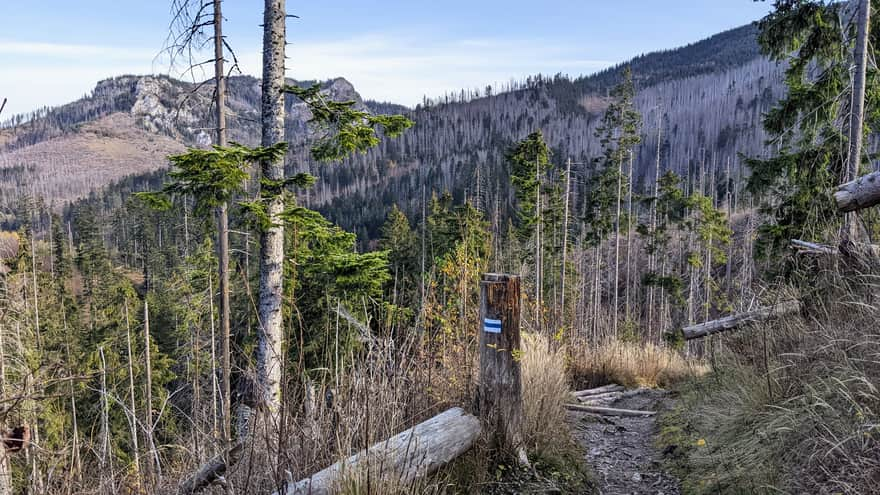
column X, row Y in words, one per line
column 620, row 450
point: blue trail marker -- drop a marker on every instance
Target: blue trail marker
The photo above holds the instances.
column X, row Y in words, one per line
column 491, row 326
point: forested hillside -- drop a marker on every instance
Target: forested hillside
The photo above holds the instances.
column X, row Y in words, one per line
column 707, row 99
column 658, row 278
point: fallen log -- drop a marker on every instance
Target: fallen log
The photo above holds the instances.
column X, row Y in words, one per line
column 737, row 320
column 599, row 397
column 608, row 411
column 861, row 193
column 805, row 247
column 599, row 390
column 813, row 248
column 418, row 451
column 610, row 398
column 212, row 471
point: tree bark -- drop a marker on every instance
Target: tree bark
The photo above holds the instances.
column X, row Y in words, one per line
column 860, row 59
column 416, row 452
column 565, row 241
column 861, row 193
column 499, row 392
column 615, row 283
column 222, row 228
column 652, row 256
column 738, row 320
column 148, row 400
column 132, row 416
column 269, row 357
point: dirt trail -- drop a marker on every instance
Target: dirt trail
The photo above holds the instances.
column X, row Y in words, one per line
column 621, row 451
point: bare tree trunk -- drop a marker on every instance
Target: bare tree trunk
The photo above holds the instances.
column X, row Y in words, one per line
column 652, row 257
column 106, row 466
column 132, row 416
column 215, row 387
column 75, row 469
column 629, row 231
column 615, row 282
column 223, row 227
column 729, row 204
column 5, row 468
column 539, row 264
column 269, row 357
column 32, row 410
column 860, row 56
column 597, row 294
column 155, row 468
column 565, row 240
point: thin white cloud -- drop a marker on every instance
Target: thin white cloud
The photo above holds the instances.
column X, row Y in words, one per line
column 397, row 68
column 68, row 51
column 404, row 69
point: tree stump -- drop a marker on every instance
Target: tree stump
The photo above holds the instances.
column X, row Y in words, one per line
column 499, row 391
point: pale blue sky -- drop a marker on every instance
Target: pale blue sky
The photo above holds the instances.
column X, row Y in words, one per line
column 53, row 51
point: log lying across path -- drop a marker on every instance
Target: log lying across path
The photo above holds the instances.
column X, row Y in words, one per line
column 599, row 390
column 608, row 411
column 418, row 451
column 734, row 321
column 861, row 193
column 610, row 397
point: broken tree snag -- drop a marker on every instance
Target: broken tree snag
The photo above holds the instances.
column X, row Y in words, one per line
column 499, row 391
column 212, row 471
column 599, row 390
column 608, row 411
column 416, row 452
column 17, row 438
column 735, row 321
column 861, row 193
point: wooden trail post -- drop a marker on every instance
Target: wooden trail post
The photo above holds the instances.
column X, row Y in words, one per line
column 499, row 391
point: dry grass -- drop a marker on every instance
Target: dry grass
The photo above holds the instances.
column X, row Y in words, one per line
column 632, row 364
column 545, row 391
column 794, row 406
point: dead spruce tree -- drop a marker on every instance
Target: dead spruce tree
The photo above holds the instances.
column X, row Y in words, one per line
column 187, row 28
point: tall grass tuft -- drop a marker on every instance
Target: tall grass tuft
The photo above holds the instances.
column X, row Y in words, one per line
column 631, row 364
column 545, row 391
column 794, row 405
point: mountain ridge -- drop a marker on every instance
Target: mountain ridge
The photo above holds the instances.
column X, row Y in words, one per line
column 702, row 92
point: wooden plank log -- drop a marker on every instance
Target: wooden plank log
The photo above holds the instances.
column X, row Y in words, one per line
column 608, row 411
column 737, row 320
column 861, row 193
column 599, row 390
column 416, row 452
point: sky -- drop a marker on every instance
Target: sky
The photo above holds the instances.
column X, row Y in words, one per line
column 54, row 51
